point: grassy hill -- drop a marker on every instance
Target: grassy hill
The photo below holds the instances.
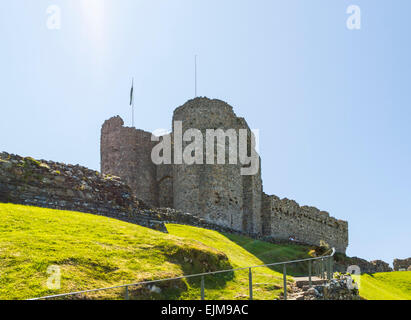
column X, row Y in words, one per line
column 94, row 252
column 385, row 285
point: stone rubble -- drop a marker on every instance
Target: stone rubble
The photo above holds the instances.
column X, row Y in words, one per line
column 402, row 264
column 335, row 289
column 364, row 265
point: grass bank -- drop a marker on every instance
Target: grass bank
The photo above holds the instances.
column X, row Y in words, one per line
column 385, row 285
column 93, row 251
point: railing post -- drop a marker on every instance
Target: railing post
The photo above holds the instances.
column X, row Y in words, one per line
column 322, row 268
column 202, row 287
column 309, row 274
column 285, row 281
column 319, row 268
column 327, row 267
column 126, row 293
column 250, row 283
column 331, row 267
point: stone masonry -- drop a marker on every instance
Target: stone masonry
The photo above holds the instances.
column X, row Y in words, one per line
column 284, row 218
column 126, row 153
column 217, row 193
column 49, row 184
column 342, row 264
column 402, row 264
column 56, row 185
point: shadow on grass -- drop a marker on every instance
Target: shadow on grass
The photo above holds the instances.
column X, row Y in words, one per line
column 191, row 260
column 185, row 288
column 273, row 253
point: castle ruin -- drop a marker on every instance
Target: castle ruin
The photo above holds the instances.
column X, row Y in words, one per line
column 218, row 193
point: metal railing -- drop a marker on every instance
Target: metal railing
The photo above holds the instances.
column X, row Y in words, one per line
column 318, row 266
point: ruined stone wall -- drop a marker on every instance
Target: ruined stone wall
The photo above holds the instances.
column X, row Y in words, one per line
column 165, row 185
column 252, row 200
column 380, row 266
column 402, row 264
column 126, row 153
column 252, row 190
column 284, row 218
column 266, row 213
column 62, row 186
column 217, row 193
column 342, row 263
column 68, row 187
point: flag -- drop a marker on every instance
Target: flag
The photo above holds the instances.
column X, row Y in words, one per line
column 131, row 93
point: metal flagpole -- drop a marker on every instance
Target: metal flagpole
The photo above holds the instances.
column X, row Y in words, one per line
column 195, row 76
column 132, row 104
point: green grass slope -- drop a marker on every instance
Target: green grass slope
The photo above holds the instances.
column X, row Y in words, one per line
column 94, row 251
column 385, row 285
column 243, row 252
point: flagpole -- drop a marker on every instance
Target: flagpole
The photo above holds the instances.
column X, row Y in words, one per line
column 195, row 76
column 132, row 104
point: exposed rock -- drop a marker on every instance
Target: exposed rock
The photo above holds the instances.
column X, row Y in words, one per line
column 341, row 288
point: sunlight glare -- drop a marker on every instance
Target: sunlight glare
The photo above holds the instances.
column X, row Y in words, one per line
column 93, row 12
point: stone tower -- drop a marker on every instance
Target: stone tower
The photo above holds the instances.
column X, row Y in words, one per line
column 126, row 152
column 216, row 192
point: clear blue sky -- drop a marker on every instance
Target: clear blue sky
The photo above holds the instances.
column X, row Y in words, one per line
column 332, row 105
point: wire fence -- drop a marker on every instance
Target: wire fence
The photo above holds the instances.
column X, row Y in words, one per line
column 321, row 267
